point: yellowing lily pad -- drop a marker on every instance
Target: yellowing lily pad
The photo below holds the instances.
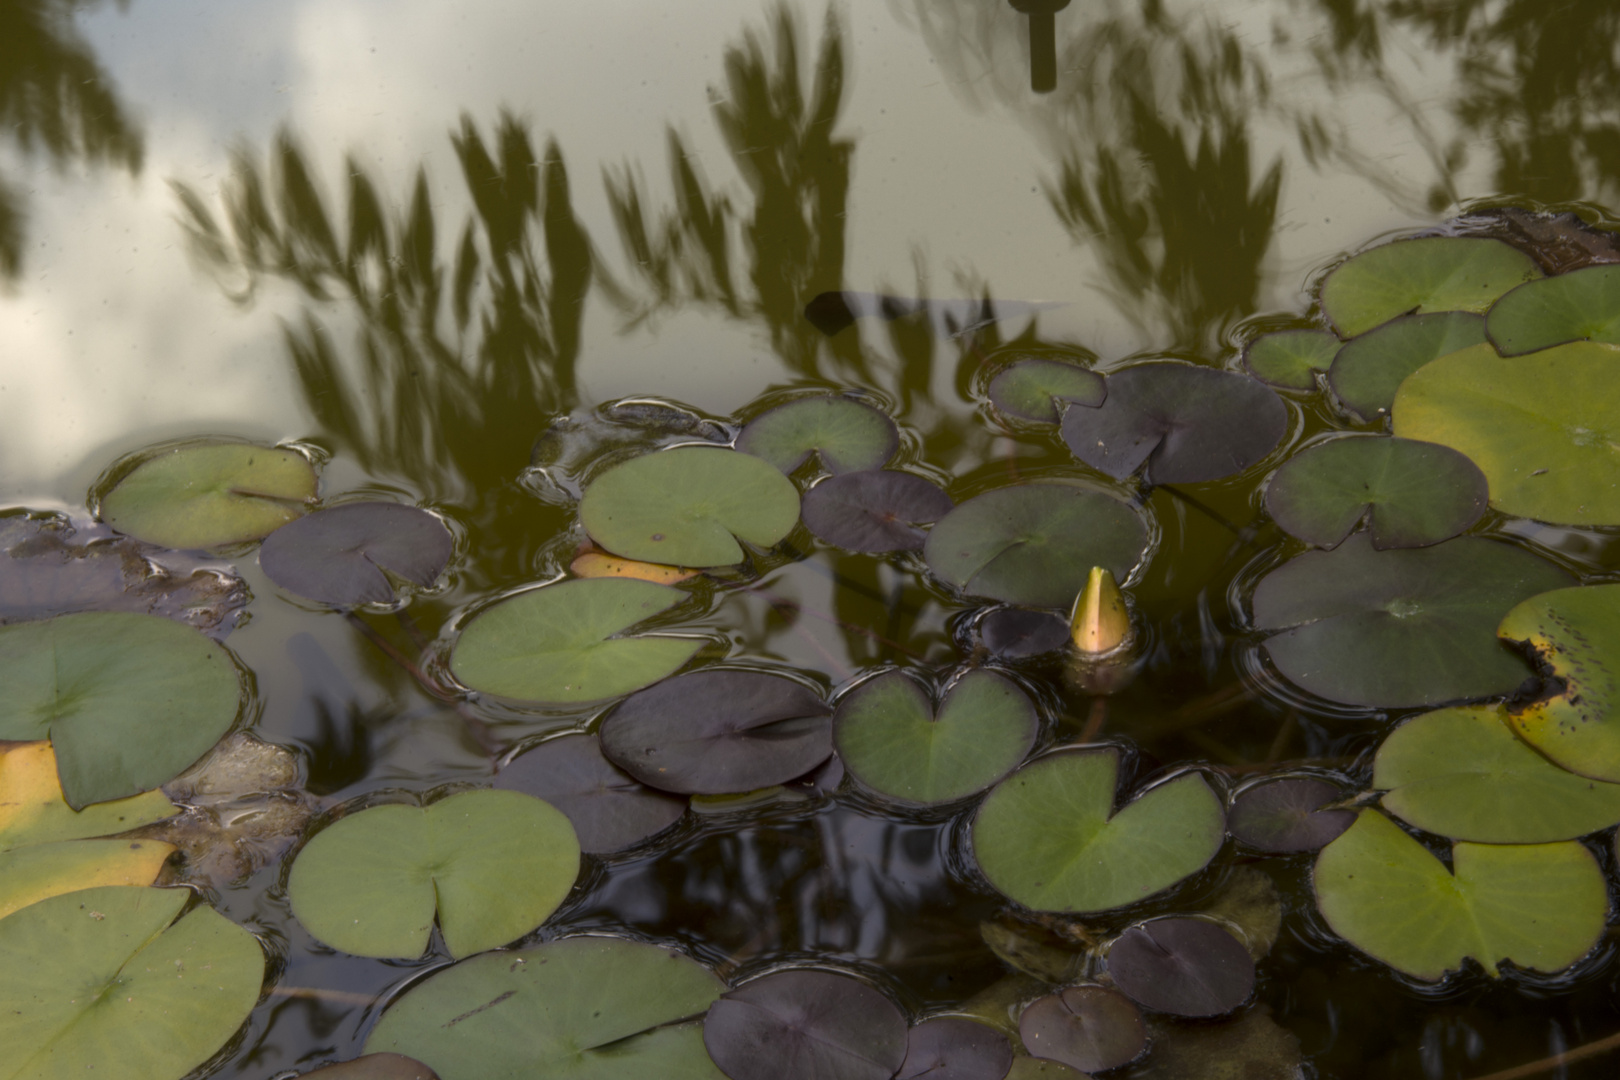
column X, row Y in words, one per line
column 206, row 495
column 32, row 810
column 1435, row 273
column 31, row 874
column 1575, row 633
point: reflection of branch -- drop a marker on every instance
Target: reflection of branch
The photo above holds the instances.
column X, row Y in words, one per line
column 475, row 725
column 1556, row 1061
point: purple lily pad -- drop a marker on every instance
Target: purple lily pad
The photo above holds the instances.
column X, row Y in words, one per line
column 1285, row 815
column 1090, row 1027
column 1015, row 633
column 874, row 511
column 952, row 1048
column 805, row 1025
column 1186, row 967
column 610, row 810
column 338, row 555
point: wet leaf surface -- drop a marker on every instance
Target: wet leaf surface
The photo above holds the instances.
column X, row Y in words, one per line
column 494, row 864
column 1582, row 305
column 1015, row 633
column 1411, row 494
column 951, row 1048
column 874, row 511
column 1034, row 544
column 375, row 1067
column 1048, row 837
column 1177, row 424
column 689, row 506
column 805, row 1025
column 583, row 1007
column 609, row 810
column 1540, row 906
column 30, row 874
column 844, row 434
column 1439, row 273
column 1291, row 358
column 1185, row 967
column 1286, row 815
column 1575, row 633
column 32, row 810
column 1038, row 389
column 1370, row 369
column 718, row 732
column 339, row 555
column 209, row 495
column 1400, row 628
column 890, row 737
column 1091, row 1028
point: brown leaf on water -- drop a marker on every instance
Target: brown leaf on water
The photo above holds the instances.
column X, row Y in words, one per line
column 592, row 562
column 1557, row 242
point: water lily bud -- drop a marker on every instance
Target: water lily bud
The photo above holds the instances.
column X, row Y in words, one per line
column 1100, row 622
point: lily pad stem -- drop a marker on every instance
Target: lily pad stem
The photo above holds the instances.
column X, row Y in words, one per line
column 475, row 725
column 1568, row 1057
column 1244, row 533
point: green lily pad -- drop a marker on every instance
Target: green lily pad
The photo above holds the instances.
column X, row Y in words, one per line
column 1290, row 358
column 128, row 701
column 1048, row 837
column 890, row 738
column 1411, row 494
column 1400, row 628
column 1540, row 906
column 555, row 644
column 1576, row 634
column 1034, row 544
column 494, row 863
column 1369, row 370
column 684, row 506
column 584, row 1008
column 99, row 983
column 1035, row 388
column 1461, row 773
column 209, row 495
column 32, row 810
column 847, row 435
column 1436, row 273
column 31, row 874
column 1582, row 305
column 1542, row 428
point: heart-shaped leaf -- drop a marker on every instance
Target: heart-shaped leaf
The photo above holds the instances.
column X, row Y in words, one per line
column 1540, row 906
column 847, row 435
column 717, row 732
column 1286, row 815
column 1034, row 544
column 210, row 494
column 1048, row 837
column 1411, row 494
column 805, row 1025
column 1540, row 427
column 1436, row 273
column 1015, row 633
column 1369, row 369
column 1035, row 388
column 98, row 983
column 494, row 863
column 1582, row 305
column 1177, row 423
column 128, row 701
column 953, row 1048
column 1576, row 634
column 32, row 810
column 1092, row 1028
column 339, row 555
column 1401, row 628
column 874, row 511
column 555, row 644
column 584, row 1008
column 1462, row 773
column 684, row 506
column 891, row 739
column 29, row 875
column 1186, row 967
column 609, row 810
column 1290, row 358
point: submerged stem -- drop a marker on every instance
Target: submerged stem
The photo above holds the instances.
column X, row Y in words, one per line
column 1547, row 1064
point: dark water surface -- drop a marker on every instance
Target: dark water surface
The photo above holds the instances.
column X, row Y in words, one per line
column 654, row 193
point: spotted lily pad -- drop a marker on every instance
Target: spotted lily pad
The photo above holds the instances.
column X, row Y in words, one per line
column 847, row 435
column 556, row 644
column 106, row 982
column 1400, row 628
column 953, row 1048
column 610, row 811
column 1582, row 305
column 874, row 511
column 1048, row 836
column 689, row 506
column 1290, row 358
column 1186, row 967
column 1286, row 815
column 892, row 740
column 1035, row 544
column 1092, row 1028
column 1540, row 906
column 1541, row 428
column 584, row 1008
column 494, row 864
column 805, row 1025
column 32, row 810
column 1369, row 369
column 1436, row 273
column 207, row 495
column 344, row 555
column 30, row 874
column 1576, row 634
column 128, row 701
column 1411, row 494
column 1035, row 388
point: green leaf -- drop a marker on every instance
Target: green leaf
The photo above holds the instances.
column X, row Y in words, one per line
column 98, row 983
column 1369, row 370
column 1541, row 427
column 31, row 874
column 1411, row 494
column 211, row 494
column 1035, row 388
column 847, row 435
column 494, row 863
column 128, row 701
column 1290, row 358
column 584, row 1008
column 889, row 737
column 1436, row 273
column 555, row 644
column 1582, row 305
column 1047, row 836
column 1540, row 906
column 1576, row 634
column 32, row 810
column 1461, row 773
column 683, row 506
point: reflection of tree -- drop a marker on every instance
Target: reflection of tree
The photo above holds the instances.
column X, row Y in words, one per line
column 54, row 99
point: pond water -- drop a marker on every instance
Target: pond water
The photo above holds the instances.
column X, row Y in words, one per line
column 654, row 196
